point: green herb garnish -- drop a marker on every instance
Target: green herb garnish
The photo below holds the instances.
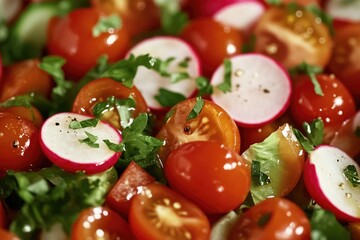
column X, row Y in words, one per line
column 314, row 134
column 74, row 124
column 311, row 71
column 351, row 175
column 173, row 20
column 114, row 146
column 259, row 177
column 185, row 63
column 225, row 86
column 325, row 18
column 105, row 24
column 196, row 109
column 90, row 140
column 204, row 86
column 264, row 219
column 167, row 98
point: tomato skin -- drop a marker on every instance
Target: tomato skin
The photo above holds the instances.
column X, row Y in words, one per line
column 71, row 38
column 7, row 235
column 211, row 175
column 99, row 90
column 29, row 113
column 161, row 213
column 333, row 108
column 286, row 221
column 213, row 124
column 100, row 220
column 24, row 77
column 19, row 140
column 213, row 42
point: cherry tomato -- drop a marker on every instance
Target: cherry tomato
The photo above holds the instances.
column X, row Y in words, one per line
column 250, row 136
column 213, row 176
column 213, row 42
column 292, row 37
column 99, row 90
column 20, row 148
column 271, row 219
column 7, row 235
column 100, row 223
column 345, row 60
column 160, row 213
column 24, row 77
column 138, row 15
column 71, row 37
column 212, row 123
column 333, row 108
column 29, row 113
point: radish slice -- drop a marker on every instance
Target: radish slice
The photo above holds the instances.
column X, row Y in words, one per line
column 240, row 15
column 326, row 182
column 9, row 9
column 149, row 82
column 349, row 12
column 61, row 144
column 260, row 89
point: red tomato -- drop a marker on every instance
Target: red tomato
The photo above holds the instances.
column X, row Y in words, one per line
column 138, row 15
column 160, row 213
column 29, row 113
column 345, row 61
column 100, row 223
column 6, row 235
column 99, row 90
column 71, row 37
column 212, row 41
column 212, row 123
column 19, row 141
column 213, row 176
column 24, row 77
column 271, row 219
column 333, row 108
column 292, row 37
column 129, row 184
column 250, row 136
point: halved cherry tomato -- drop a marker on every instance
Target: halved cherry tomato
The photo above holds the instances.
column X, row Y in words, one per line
column 333, row 108
column 292, row 37
column 271, row 219
column 24, row 77
column 129, row 184
column 7, row 235
column 213, row 42
column 213, row 176
column 99, row 90
column 71, row 37
column 100, row 223
column 29, row 113
column 161, row 213
column 19, row 141
column 345, row 61
column 250, row 136
column 212, row 123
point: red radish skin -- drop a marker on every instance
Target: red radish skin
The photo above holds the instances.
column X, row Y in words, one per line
column 341, row 194
column 260, row 90
column 62, row 146
column 149, row 81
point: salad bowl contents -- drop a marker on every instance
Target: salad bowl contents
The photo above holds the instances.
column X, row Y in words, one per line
column 202, row 119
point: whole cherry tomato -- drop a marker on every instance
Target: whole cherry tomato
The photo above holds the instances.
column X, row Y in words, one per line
column 161, row 213
column 213, row 176
column 24, row 77
column 19, row 141
column 100, row 223
column 213, row 42
column 72, row 38
column 292, row 37
column 212, row 123
column 334, row 107
column 271, row 219
column 30, row 113
column 345, row 61
column 99, row 90
column 7, row 235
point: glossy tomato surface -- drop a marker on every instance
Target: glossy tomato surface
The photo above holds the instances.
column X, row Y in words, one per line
column 211, row 175
column 213, row 42
column 273, row 218
column 30, row 113
column 161, row 213
column 7, row 235
column 212, row 123
column 71, row 37
column 100, row 223
column 19, row 141
column 293, row 36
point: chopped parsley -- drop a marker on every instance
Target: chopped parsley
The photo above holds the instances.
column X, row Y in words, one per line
column 185, row 63
column 195, row 111
column 106, row 24
column 173, row 20
column 352, row 175
column 114, row 146
column 311, row 71
column 167, row 98
column 204, row 86
column 90, row 140
column 314, row 134
column 225, row 86
column 259, row 177
column 74, row 124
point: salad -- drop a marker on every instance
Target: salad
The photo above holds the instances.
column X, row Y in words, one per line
column 203, row 119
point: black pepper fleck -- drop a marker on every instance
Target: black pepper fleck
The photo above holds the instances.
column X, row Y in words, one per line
column 57, row 124
column 16, row 144
column 265, row 90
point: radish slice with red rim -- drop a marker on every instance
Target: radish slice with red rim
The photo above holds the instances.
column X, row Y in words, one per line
column 79, row 148
column 260, row 89
column 325, row 178
column 342, row 11
column 181, row 59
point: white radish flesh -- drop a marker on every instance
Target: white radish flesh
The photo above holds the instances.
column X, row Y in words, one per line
column 342, row 11
column 61, row 144
column 260, row 89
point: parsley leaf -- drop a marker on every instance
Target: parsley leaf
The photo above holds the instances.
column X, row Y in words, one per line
column 311, row 71
column 314, row 134
column 225, row 86
column 74, row 124
column 273, row 2
column 204, row 86
column 173, row 20
column 90, row 140
column 169, row 114
column 114, row 146
column 185, row 63
column 196, row 109
column 105, row 24
column 351, row 175
column 249, row 46
column 257, row 175
column 305, row 143
column 167, row 98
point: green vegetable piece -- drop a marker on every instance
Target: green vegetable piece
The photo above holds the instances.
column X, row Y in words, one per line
column 185, row 63
column 106, row 24
column 195, row 111
column 113, row 146
column 249, row 46
column 173, row 20
column 90, row 140
column 167, row 98
column 74, row 124
column 204, row 86
column 315, row 131
column 305, row 143
column 264, row 219
column 259, row 177
column 169, row 114
column 352, row 175
column 225, row 86
column 311, row 71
